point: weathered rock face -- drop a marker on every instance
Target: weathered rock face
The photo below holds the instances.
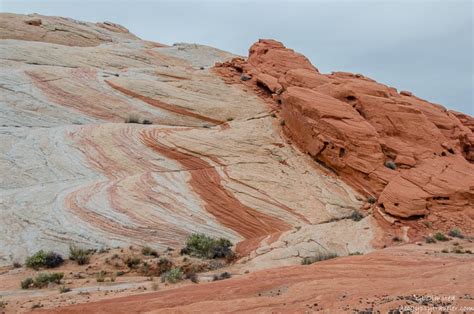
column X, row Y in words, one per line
column 59, row 30
column 212, row 161
column 414, row 156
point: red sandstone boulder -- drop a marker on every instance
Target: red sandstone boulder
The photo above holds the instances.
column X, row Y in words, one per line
column 415, row 156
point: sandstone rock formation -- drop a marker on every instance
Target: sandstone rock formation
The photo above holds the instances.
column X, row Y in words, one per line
column 212, row 161
column 413, row 156
column 107, row 140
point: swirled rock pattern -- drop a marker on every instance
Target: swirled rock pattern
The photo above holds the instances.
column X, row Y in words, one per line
column 413, row 156
column 211, row 161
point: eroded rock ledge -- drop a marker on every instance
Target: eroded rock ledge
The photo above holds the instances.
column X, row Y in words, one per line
column 416, row 158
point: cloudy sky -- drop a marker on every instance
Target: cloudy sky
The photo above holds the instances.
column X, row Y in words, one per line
column 424, row 46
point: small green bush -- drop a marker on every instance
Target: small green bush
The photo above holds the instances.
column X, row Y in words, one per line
column 440, row 237
column 44, row 259
column 455, row 232
column 42, row 280
column 27, row 283
column 79, row 255
column 203, row 246
column 390, row 164
column 172, row 276
column 148, row 251
column 320, row 256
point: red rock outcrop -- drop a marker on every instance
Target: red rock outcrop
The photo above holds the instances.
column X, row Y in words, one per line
column 415, row 157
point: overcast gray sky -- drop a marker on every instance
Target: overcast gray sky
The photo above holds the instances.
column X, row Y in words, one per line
column 422, row 46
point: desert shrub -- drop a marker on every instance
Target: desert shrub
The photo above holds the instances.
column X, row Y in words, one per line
column 390, row 164
column 440, row 237
column 148, row 251
column 79, row 255
column 120, row 273
column 203, row 246
column 172, row 276
column 430, row 240
column 221, row 276
column 27, row 283
column 64, row 289
column 444, row 251
column 356, row 216
column 44, row 259
column 371, row 199
column 455, row 232
column 164, row 265
column 43, row 279
column 53, row 260
column 355, row 253
column 16, row 265
column 132, row 262
column 146, row 121
column 320, row 256
column 101, row 276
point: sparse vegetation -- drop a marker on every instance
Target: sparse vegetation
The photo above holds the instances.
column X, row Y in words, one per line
column 355, row 253
column 430, row 240
column 79, row 255
column 356, row 215
column 44, row 259
column 164, row 265
column 64, row 289
column 148, row 251
column 320, row 256
column 455, row 232
column 132, row 262
column 3, row 304
column 27, row 283
column 172, row 276
column 444, row 251
column 440, row 237
column 16, row 265
column 203, row 246
column 42, row 280
column 101, row 276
